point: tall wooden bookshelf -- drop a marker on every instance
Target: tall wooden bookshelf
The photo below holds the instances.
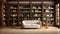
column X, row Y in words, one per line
column 16, row 11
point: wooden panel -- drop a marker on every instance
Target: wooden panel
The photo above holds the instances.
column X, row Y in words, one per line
column 59, row 14
column 8, row 15
column 32, row 0
column 18, row 15
column 30, row 10
column 1, row 13
column 42, row 12
column 55, row 15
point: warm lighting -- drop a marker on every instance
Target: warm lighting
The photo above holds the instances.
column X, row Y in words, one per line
column 47, row 10
column 47, row 15
column 36, row 2
column 58, row 4
column 34, row 7
column 24, row 2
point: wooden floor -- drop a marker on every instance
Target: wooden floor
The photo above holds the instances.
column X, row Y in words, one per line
column 50, row 30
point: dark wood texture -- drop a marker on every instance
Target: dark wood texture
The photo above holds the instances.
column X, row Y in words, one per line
column 32, row 0
column 59, row 14
column 42, row 12
column 8, row 14
column 30, row 10
column 18, row 15
column 1, row 13
column 55, row 18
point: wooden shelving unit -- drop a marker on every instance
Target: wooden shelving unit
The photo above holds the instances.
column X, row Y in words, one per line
column 16, row 11
column 48, row 13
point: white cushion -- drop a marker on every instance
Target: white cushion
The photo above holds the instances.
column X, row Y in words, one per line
column 35, row 26
column 31, row 23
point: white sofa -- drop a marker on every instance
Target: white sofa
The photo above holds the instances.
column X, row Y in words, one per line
column 31, row 23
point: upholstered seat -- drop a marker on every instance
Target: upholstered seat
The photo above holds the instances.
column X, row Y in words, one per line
column 31, row 23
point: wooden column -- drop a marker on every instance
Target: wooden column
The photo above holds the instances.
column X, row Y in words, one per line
column 42, row 12
column 1, row 13
column 55, row 13
column 30, row 10
column 8, row 14
column 55, row 18
column 59, row 14
column 18, row 14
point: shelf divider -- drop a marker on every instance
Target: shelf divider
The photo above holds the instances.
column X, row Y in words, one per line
column 42, row 12
column 1, row 12
column 18, row 14
column 8, row 15
column 59, row 15
column 30, row 10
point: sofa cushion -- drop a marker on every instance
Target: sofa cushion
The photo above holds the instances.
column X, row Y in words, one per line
column 31, row 21
column 35, row 26
column 27, row 25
